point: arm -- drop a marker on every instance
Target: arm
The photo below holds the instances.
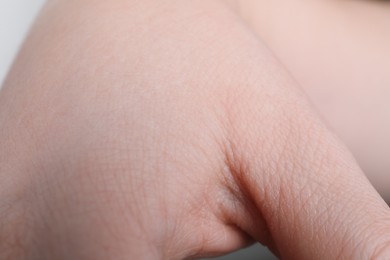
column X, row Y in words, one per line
column 166, row 130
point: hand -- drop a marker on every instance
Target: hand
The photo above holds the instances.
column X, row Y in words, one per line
column 166, row 130
column 339, row 53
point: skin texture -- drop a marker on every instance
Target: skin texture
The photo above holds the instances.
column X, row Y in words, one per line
column 339, row 53
column 167, row 130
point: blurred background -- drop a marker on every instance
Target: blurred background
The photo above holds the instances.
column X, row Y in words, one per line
column 16, row 17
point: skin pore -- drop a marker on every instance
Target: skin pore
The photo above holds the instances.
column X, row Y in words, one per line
column 168, row 130
column 339, row 53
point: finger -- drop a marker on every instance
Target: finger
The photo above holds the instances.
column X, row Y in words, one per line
column 313, row 197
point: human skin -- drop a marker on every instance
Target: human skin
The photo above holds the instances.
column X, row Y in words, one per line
column 167, row 130
column 339, row 53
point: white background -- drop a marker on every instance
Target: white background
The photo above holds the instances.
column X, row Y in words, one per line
column 15, row 19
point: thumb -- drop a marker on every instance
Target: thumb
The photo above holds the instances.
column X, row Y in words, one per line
column 304, row 185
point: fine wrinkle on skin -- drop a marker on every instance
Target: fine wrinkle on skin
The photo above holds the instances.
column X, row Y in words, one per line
column 248, row 217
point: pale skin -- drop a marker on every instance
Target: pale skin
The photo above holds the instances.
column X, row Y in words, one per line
column 339, row 53
column 168, row 130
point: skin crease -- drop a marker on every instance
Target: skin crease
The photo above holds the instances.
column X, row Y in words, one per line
column 345, row 69
column 167, row 130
